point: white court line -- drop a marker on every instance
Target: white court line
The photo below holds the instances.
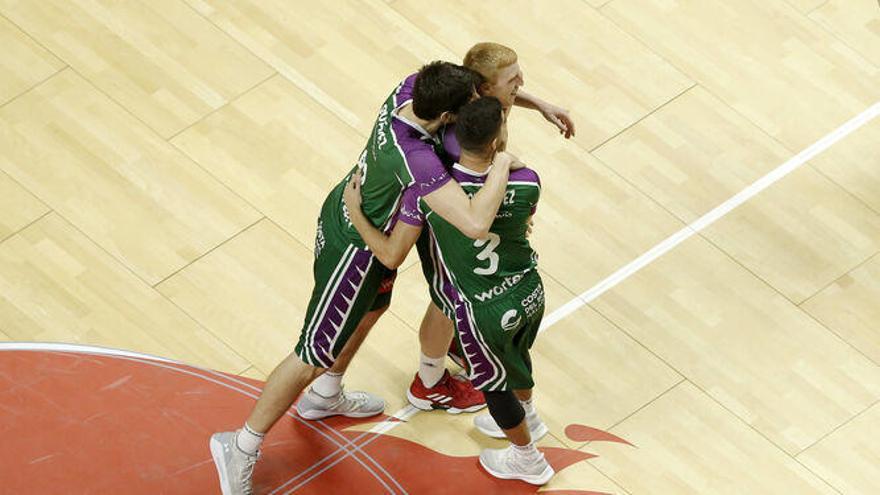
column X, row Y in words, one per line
column 677, row 238
column 701, row 223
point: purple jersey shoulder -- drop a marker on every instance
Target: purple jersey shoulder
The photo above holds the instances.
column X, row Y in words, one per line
column 405, row 91
column 525, row 175
column 409, row 211
column 422, row 162
column 450, row 143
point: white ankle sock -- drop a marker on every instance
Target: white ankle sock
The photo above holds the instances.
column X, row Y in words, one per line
column 248, row 440
column 327, row 385
column 431, row 370
column 527, row 451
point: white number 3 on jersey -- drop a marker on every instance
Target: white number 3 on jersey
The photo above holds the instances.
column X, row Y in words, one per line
column 488, row 253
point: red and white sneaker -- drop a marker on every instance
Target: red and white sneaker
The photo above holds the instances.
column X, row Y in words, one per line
column 454, row 394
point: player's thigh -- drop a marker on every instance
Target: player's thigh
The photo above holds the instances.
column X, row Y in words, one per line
column 347, row 280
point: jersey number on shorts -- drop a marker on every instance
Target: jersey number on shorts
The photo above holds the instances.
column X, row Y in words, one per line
column 488, row 253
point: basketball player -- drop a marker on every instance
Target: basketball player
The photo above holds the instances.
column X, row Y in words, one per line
column 492, row 286
column 399, row 154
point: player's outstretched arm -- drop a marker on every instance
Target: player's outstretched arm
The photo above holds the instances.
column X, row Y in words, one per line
column 556, row 115
column 390, row 250
column 473, row 216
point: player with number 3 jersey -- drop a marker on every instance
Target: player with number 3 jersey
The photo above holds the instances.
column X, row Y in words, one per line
column 491, row 284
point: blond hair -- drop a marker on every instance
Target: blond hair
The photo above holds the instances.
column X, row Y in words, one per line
column 488, row 59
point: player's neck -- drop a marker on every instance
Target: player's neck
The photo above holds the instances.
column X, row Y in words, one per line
column 430, row 126
column 475, row 162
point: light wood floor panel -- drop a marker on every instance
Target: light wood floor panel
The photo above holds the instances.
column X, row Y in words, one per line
column 778, row 68
column 348, row 56
column 58, row 286
column 17, row 207
column 849, row 458
column 850, row 307
column 693, row 154
column 854, row 163
column 279, row 150
column 159, row 59
column 799, row 235
column 254, row 373
column 589, row 372
column 696, row 153
column 252, row 292
column 127, row 189
column 571, row 56
column 699, row 449
column 857, row 22
column 584, row 223
column 805, row 6
column 747, row 346
column 23, row 63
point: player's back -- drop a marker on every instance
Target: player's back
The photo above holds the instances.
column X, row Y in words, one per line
column 485, row 270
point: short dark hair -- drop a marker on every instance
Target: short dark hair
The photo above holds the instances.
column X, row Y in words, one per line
column 443, row 87
column 478, row 123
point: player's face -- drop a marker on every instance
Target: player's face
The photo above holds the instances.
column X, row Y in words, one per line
column 506, row 85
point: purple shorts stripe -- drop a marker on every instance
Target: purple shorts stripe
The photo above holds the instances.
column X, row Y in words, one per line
column 483, row 367
column 335, row 314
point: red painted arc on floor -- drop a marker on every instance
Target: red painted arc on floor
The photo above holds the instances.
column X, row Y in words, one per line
column 80, row 419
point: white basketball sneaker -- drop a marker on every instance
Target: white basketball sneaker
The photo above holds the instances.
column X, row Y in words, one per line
column 488, row 426
column 235, row 466
column 351, row 404
column 512, row 464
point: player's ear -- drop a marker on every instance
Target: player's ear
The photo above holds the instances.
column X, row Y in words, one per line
column 447, row 117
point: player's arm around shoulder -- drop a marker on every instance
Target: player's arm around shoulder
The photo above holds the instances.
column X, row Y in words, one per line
column 390, row 250
column 473, row 216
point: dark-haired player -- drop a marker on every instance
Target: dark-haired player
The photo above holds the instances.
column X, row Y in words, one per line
column 492, row 285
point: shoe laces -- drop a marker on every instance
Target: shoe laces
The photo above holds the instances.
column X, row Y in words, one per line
column 247, row 473
column 352, row 399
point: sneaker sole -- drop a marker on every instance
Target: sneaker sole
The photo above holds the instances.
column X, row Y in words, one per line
column 429, row 405
column 319, row 414
column 217, row 455
column 535, row 479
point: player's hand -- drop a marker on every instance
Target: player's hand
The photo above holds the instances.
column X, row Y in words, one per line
column 352, row 193
column 515, row 162
column 503, row 159
column 559, row 117
column 530, row 227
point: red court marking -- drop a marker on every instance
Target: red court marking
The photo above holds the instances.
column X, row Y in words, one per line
column 98, row 424
column 581, row 433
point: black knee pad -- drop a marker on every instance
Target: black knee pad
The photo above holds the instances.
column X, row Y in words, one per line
column 505, row 409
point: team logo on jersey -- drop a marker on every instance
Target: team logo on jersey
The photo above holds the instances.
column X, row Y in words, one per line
column 510, row 320
column 319, row 239
column 534, row 301
column 507, row 283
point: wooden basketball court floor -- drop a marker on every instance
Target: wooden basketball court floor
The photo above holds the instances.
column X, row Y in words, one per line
column 162, row 164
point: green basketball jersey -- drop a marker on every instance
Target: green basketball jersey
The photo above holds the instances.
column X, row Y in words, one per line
column 483, row 270
column 399, row 155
